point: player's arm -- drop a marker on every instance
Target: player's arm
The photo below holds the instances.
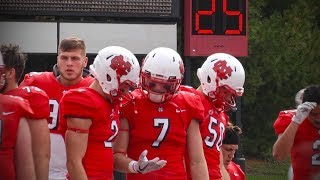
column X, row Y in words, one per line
column 76, row 146
column 284, row 143
column 223, row 171
column 198, row 165
column 119, row 147
column 40, row 136
column 23, row 153
column 125, row 164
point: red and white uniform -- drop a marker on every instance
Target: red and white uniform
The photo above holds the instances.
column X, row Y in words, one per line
column 37, row 98
column 235, row 172
column 49, row 84
column 305, row 152
column 12, row 109
column 162, row 130
column 212, row 130
column 88, row 103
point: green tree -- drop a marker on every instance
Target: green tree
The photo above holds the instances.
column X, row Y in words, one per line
column 283, row 58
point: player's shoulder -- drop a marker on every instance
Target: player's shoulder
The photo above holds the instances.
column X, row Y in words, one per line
column 33, row 91
column 82, row 92
column 235, row 168
column 30, row 93
column 8, row 99
column 36, row 78
column 39, row 75
column 81, row 101
column 191, row 97
column 16, row 103
column 285, row 114
column 83, row 95
column 86, row 81
column 283, row 120
column 187, row 88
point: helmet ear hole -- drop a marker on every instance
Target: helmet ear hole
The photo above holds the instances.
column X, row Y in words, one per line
column 208, row 79
column 108, row 78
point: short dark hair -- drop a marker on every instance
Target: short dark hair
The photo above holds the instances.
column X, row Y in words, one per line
column 72, row 43
column 312, row 94
column 13, row 57
column 232, row 134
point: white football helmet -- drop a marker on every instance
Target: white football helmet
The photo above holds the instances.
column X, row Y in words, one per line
column 2, row 73
column 115, row 67
column 162, row 66
column 222, row 73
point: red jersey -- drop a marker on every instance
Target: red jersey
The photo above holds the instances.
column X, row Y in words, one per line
column 305, row 150
column 235, row 172
column 12, row 109
column 88, row 103
column 161, row 128
column 212, row 131
column 49, row 84
column 37, row 98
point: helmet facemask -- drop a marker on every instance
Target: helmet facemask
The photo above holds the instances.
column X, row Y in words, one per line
column 224, row 98
column 159, row 90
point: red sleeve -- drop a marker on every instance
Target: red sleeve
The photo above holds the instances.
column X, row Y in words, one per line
column 15, row 103
column 77, row 103
column 235, row 172
column 187, row 89
column 38, row 100
column 283, row 121
column 195, row 106
column 26, row 109
column 29, row 79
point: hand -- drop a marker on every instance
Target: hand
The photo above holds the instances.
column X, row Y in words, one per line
column 143, row 165
column 303, row 111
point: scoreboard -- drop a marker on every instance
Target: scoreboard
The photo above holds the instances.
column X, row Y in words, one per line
column 212, row 26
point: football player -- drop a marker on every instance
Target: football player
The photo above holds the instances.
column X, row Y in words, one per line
column 298, row 135
column 222, row 78
column 68, row 73
column 90, row 115
column 160, row 121
column 229, row 147
column 16, row 160
column 14, row 61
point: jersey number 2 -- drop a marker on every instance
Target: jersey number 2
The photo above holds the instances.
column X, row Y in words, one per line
column 114, row 128
column 316, row 157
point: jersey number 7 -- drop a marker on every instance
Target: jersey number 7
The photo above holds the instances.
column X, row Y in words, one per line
column 164, row 123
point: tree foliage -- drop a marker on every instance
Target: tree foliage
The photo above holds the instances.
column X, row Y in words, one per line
column 283, row 58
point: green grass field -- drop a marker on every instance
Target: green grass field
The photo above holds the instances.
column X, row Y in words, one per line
column 266, row 169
